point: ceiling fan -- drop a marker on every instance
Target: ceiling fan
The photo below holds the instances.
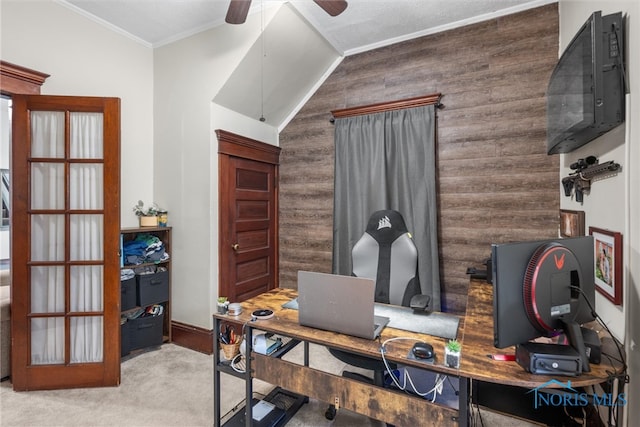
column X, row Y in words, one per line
column 238, row 9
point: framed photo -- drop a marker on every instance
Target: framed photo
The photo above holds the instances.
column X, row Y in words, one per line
column 571, row 223
column 607, row 247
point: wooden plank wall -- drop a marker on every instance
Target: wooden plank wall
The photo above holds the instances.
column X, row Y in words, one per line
column 495, row 181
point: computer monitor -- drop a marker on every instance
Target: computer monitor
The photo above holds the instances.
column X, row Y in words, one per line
column 540, row 287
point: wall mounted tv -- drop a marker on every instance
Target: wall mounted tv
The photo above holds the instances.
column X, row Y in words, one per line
column 585, row 96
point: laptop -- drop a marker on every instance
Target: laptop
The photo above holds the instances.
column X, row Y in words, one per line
column 339, row 303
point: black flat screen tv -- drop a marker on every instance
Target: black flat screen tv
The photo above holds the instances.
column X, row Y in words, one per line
column 540, row 286
column 585, row 95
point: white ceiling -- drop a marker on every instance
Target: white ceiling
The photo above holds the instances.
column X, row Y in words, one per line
column 365, row 24
column 274, row 79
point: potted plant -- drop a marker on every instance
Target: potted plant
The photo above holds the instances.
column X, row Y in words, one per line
column 452, row 354
column 223, row 305
column 148, row 215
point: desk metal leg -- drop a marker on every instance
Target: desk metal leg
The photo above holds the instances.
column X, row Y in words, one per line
column 216, row 375
column 463, row 401
column 248, row 379
column 306, row 353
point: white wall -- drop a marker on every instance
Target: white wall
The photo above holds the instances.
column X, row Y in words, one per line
column 172, row 163
column 86, row 59
column 188, row 74
column 614, row 202
column 5, row 136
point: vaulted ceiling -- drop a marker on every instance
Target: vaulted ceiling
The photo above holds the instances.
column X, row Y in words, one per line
column 300, row 44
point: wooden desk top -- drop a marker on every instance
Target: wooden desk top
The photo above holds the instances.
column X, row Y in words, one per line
column 475, row 332
column 285, row 322
column 477, row 343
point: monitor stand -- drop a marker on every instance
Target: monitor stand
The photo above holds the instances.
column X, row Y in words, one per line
column 574, row 335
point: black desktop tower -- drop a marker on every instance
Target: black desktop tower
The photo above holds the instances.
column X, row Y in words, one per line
column 549, row 359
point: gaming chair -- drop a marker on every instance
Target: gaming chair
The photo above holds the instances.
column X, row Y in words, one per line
column 386, row 253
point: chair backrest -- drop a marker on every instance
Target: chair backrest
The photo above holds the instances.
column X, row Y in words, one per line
column 386, row 253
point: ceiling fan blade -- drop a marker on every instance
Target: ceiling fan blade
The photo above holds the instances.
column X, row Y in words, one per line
column 237, row 12
column 332, row 7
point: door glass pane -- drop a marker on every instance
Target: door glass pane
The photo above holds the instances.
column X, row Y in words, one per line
column 47, row 186
column 47, row 340
column 86, row 136
column 86, row 237
column 47, row 289
column 86, row 186
column 47, row 134
column 86, row 288
column 86, row 339
column 47, row 237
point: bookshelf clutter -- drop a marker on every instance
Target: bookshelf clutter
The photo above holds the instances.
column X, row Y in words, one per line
column 145, row 288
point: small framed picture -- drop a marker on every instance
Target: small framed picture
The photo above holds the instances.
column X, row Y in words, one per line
column 571, row 223
column 607, row 247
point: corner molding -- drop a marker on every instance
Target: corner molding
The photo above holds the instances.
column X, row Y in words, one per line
column 241, row 146
column 15, row 79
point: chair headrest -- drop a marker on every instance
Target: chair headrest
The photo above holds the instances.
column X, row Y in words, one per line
column 385, row 226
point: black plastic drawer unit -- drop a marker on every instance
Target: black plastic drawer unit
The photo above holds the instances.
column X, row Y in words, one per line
column 153, row 288
column 128, row 294
column 145, row 331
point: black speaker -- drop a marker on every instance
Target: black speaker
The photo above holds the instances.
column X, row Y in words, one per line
column 592, row 344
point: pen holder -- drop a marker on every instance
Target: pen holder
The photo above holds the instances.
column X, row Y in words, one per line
column 230, row 350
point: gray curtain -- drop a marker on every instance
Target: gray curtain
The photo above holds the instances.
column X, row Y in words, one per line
column 387, row 161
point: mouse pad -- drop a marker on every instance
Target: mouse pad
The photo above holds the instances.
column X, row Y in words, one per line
column 293, row 304
column 427, row 361
column 434, row 323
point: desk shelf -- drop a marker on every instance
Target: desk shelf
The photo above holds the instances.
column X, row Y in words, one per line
column 226, row 368
column 295, row 401
column 288, row 402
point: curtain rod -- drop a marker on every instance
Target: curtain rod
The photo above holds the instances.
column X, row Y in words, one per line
column 419, row 101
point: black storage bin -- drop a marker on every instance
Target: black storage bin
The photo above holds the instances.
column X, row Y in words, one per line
column 125, row 339
column 153, row 288
column 128, row 294
column 146, row 331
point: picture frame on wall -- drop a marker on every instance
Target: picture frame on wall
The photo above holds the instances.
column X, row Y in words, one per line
column 607, row 247
column 571, row 223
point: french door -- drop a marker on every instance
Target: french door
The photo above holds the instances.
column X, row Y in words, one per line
column 65, row 230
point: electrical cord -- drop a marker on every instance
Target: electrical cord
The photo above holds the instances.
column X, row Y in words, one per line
column 618, row 344
column 620, row 375
column 406, row 377
column 580, row 421
column 619, row 61
column 476, row 415
column 238, row 363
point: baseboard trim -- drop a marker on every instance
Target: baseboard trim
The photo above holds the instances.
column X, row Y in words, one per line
column 192, row 337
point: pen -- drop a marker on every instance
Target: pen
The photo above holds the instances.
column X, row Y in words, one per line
column 223, row 339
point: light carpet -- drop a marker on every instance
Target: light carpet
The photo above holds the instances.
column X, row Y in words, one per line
column 170, row 386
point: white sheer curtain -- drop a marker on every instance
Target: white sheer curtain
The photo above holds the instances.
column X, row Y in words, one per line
column 85, row 189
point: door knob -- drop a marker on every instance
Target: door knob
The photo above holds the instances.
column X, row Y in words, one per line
column 235, row 247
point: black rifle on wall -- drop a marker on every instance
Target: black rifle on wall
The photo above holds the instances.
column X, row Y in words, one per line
column 586, row 170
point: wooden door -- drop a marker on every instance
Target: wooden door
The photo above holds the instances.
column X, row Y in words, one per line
column 248, row 250
column 65, row 312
